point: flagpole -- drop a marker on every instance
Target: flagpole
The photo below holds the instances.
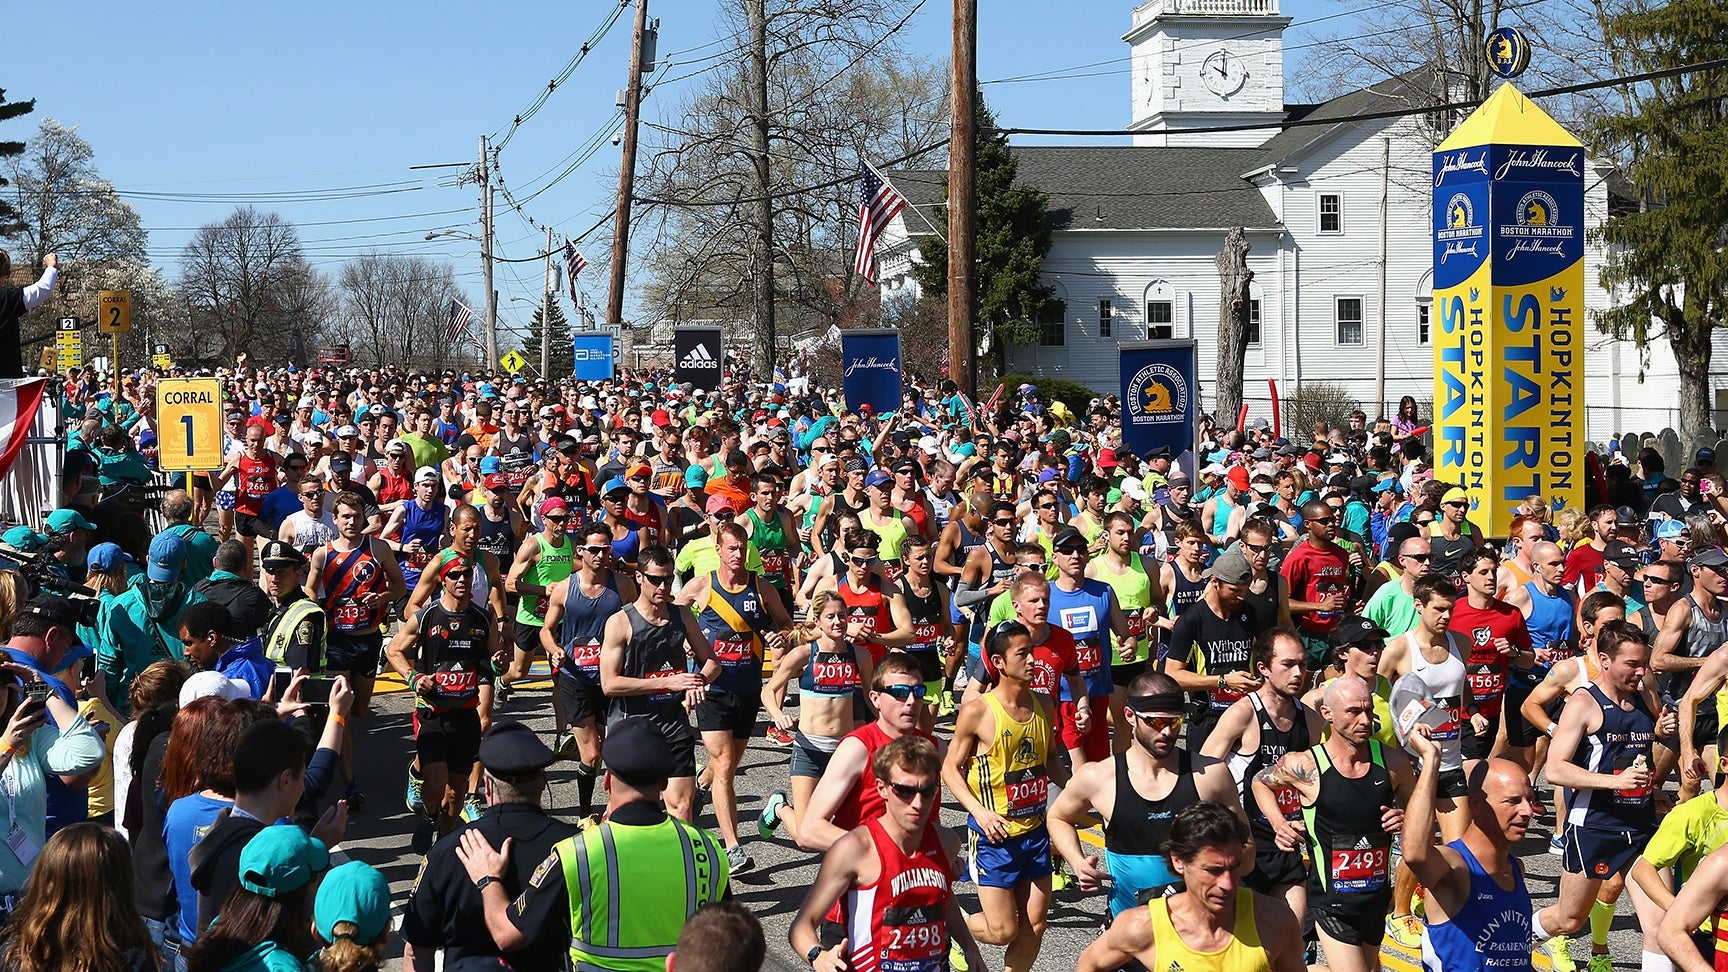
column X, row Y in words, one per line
column 909, row 204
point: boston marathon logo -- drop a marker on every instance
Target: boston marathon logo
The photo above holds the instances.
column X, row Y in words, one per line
column 1462, row 234
column 1158, row 395
column 1538, row 229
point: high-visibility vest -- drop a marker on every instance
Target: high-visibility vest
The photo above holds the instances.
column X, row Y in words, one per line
column 632, row 888
column 276, row 646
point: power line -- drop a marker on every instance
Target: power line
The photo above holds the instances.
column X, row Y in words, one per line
column 581, row 54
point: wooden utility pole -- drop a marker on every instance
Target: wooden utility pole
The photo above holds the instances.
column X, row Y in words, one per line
column 627, row 172
column 762, row 207
column 485, row 173
column 546, row 310
column 962, row 201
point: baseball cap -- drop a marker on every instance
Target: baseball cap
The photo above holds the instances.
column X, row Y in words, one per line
column 1705, row 454
column 65, row 521
column 1356, row 630
column 347, row 432
column 57, row 609
column 106, row 557
column 426, row 474
column 1231, row 567
column 1389, row 485
column 307, row 401
column 353, row 892
column 721, row 503
column 1107, row 458
column 277, row 555
column 1238, row 477
column 396, row 447
column 1213, row 469
column 637, row 470
column 24, row 539
column 1709, row 557
column 661, row 417
column 203, row 684
column 490, row 465
column 1621, row 554
column 1068, row 540
column 614, row 485
column 167, row 556
column 281, row 859
column 341, row 461
column 1670, row 529
column 929, row 445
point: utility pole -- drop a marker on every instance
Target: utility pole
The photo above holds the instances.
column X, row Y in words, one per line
column 962, row 198
column 546, row 309
column 485, row 176
column 762, row 207
column 627, row 171
column 1385, row 200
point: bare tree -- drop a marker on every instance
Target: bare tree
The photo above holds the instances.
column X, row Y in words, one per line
column 1233, row 280
column 249, row 287
column 394, row 308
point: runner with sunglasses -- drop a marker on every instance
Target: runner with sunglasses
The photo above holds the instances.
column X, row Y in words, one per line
column 654, row 660
column 576, row 617
column 544, row 559
column 926, row 603
column 743, row 618
column 988, row 571
column 889, row 881
column 1137, row 794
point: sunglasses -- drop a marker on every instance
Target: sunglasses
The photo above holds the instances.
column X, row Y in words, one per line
column 1456, row 505
column 1326, row 520
column 906, row 792
column 596, row 549
column 658, row 580
column 855, row 559
column 723, row 515
column 556, row 517
column 1664, row 581
column 1037, row 565
column 1157, row 723
column 1420, row 558
column 903, row 692
column 1257, row 547
column 1003, row 523
column 1046, row 506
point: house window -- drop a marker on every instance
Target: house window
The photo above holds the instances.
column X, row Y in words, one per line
column 1253, row 323
column 1160, row 319
column 1331, row 212
column 1349, row 320
column 1052, row 331
column 1104, row 317
column 1423, row 309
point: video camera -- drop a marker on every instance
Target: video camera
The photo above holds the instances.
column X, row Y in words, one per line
column 44, row 575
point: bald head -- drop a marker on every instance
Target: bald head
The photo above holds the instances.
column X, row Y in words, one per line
column 1343, row 691
column 1545, row 550
column 1498, row 777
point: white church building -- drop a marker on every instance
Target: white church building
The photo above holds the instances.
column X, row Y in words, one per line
column 1337, row 211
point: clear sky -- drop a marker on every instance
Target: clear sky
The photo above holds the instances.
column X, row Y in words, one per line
column 194, row 108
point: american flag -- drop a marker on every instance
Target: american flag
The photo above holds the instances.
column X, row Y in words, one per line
column 878, row 204
column 460, row 315
column 573, row 264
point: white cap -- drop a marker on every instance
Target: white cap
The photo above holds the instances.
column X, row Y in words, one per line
column 307, row 401
column 212, row 683
column 928, row 444
column 1134, row 489
column 427, row 474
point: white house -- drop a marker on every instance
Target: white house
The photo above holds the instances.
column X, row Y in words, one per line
column 1325, row 204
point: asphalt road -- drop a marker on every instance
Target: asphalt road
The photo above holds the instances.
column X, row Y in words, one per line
column 774, row 889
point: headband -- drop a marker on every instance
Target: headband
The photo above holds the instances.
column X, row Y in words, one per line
column 1157, row 702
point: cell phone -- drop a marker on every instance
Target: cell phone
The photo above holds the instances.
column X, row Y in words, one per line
column 316, row 690
column 36, row 692
column 87, row 669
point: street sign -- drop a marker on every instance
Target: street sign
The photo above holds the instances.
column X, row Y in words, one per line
column 189, row 423
column 114, row 312
column 68, row 323
column 513, row 362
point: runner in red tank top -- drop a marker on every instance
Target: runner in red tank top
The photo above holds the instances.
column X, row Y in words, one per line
column 874, row 618
column 254, row 475
column 892, row 879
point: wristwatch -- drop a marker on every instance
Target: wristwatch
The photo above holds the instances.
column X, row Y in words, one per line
column 480, row 885
column 810, row 956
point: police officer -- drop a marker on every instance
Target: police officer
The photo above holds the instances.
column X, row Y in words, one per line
column 444, row 909
column 294, row 632
column 648, row 870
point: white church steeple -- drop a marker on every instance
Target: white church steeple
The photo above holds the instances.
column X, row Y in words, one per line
column 1201, row 63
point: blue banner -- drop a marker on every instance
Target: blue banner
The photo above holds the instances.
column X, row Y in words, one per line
column 1160, row 398
column 870, row 369
column 595, row 356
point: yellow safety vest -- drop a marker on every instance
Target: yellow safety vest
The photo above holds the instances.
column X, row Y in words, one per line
column 632, row 888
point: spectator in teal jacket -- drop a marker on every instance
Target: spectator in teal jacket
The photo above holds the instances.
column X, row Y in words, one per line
column 142, row 625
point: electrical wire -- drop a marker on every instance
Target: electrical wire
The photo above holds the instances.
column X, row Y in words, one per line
column 581, row 55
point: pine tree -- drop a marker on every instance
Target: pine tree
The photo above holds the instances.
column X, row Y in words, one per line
column 1013, row 237
column 9, row 220
column 1667, row 258
column 561, row 359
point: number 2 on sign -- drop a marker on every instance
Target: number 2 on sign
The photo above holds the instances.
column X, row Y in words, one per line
column 114, row 316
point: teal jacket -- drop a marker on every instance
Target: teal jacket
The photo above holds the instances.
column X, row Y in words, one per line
column 200, row 552
column 137, row 627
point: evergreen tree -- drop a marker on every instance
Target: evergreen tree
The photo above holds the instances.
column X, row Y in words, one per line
column 1013, row 237
column 1666, row 259
column 10, row 222
column 561, row 358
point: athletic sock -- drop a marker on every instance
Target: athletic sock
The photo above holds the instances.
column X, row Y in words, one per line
column 1655, row 962
column 1538, row 934
column 585, row 777
column 1601, row 919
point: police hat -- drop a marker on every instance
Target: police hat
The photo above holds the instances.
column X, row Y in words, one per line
column 510, row 748
column 636, row 752
column 278, row 555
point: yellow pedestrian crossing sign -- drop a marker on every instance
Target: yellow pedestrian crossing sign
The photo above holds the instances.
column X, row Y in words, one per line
column 513, row 362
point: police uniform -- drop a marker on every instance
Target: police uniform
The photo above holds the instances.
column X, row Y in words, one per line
column 294, row 632
column 444, row 910
column 643, row 873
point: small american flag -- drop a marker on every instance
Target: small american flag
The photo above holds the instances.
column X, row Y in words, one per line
column 573, row 264
column 878, row 204
column 460, row 315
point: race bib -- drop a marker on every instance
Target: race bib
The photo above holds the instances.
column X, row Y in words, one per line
column 835, row 675
column 350, row 615
column 1223, row 698
column 1638, row 795
column 1089, row 654
column 586, row 657
column 661, row 698
column 735, row 651
column 1028, row 791
column 1359, row 864
column 774, row 563
column 1289, row 802
column 1453, row 706
column 893, row 570
column 419, row 559
column 1136, row 622
column 458, row 686
column 924, row 637
column 1486, row 681
column 914, row 939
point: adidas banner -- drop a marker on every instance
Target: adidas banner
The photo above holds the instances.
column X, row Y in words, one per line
column 870, row 369
column 699, row 352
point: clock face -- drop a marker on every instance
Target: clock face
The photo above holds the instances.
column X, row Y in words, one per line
column 1223, row 72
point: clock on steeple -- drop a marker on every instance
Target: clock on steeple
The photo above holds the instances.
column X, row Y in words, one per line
column 1200, row 64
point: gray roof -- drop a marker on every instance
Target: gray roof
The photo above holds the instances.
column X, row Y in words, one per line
column 1121, row 187
column 1407, row 90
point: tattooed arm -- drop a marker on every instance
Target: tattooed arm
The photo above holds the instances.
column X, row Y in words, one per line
column 1295, row 771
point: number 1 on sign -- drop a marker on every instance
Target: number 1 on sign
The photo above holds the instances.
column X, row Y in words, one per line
column 186, row 420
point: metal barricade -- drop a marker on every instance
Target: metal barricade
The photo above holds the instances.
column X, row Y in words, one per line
column 32, row 486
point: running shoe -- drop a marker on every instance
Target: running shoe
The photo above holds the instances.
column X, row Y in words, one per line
column 948, row 705
column 1601, row 962
column 1559, row 949
column 565, row 748
column 769, row 818
column 779, row 736
column 502, row 694
column 416, row 792
column 1406, row 931
column 1061, row 877
column 425, row 833
column 957, row 958
column 473, row 809
column 356, row 799
column 1556, row 846
column 738, row 860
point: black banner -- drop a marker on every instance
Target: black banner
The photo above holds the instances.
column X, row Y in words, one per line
column 699, row 354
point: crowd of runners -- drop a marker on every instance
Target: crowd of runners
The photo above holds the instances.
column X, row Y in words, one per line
column 1308, row 703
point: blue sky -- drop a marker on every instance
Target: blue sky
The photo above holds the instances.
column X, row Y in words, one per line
column 191, row 108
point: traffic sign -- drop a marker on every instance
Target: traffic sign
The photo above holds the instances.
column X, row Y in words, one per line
column 114, row 314
column 513, row 362
column 189, row 423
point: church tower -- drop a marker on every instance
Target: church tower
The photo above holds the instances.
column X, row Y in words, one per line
column 1204, row 63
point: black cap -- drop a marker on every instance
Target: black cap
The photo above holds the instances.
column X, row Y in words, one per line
column 1339, row 481
column 1068, row 538
column 637, row 753
column 279, row 554
column 1356, row 630
column 510, row 748
column 53, row 607
column 1709, row 557
column 1621, row 554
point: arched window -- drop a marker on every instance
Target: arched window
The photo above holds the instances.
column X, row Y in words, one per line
column 1424, row 308
column 1160, row 310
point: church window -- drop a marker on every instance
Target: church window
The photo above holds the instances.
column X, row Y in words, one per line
column 1349, row 320
column 1331, row 212
column 1160, row 319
